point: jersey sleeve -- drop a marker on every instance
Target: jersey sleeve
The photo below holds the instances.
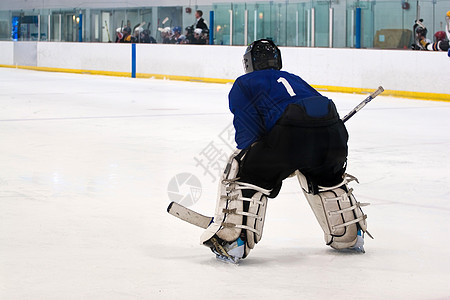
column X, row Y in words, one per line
column 247, row 121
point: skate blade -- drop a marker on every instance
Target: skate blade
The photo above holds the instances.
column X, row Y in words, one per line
column 228, row 260
column 355, row 250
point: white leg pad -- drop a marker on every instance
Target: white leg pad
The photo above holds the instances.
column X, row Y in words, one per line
column 337, row 212
column 227, row 233
column 232, row 207
column 255, row 218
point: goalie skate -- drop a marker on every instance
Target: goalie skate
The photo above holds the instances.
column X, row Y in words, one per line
column 227, row 252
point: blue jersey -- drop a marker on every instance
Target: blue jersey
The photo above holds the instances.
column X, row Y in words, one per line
column 258, row 99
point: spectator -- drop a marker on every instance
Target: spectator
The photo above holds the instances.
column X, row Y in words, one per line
column 136, row 37
column 165, row 34
column 198, row 37
column 189, row 34
column 174, row 39
column 127, row 38
column 440, row 36
column 119, row 35
column 146, row 37
column 200, row 22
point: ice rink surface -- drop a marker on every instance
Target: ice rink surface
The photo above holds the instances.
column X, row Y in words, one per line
column 85, row 167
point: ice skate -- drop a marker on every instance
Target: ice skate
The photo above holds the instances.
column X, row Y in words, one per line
column 229, row 252
column 359, row 246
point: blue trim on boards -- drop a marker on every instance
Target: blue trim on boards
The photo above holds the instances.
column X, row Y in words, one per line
column 211, row 27
column 133, row 60
column 80, row 28
column 358, row 28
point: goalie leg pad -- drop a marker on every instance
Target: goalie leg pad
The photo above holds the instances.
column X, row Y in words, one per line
column 337, row 211
column 240, row 209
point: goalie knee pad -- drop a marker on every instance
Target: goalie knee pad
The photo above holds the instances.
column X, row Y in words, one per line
column 240, row 210
column 336, row 209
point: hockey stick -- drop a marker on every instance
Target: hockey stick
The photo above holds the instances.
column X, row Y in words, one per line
column 189, row 215
column 107, row 31
column 363, row 103
column 202, row 221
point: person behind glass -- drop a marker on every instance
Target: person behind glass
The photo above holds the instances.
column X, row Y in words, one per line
column 119, row 35
column 127, row 38
column 166, row 33
column 146, row 37
column 198, row 38
column 175, row 38
column 136, row 36
column 200, row 22
column 189, row 34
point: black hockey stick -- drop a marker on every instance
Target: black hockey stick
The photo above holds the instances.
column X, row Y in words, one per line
column 378, row 91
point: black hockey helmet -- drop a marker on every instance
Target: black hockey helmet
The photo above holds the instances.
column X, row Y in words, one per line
column 262, row 54
column 127, row 30
column 420, row 29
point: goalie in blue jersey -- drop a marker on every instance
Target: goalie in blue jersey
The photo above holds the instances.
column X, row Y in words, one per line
column 283, row 127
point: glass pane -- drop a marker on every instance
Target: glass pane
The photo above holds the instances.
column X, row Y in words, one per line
column 392, row 25
column 292, row 23
column 279, row 17
column 44, row 20
column 367, row 24
column 222, row 24
column 440, row 9
column 305, row 24
column 339, row 24
column 252, row 28
column 55, row 33
column 27, row 25
column 133, row 18
column 427, row 13
column 408, row 17
column 95, row 25
column 264, row 21
column 350, row 25
column 433, row 14
column 119, row 20
column 108, row 32
column 238, row 24
column 321, row 23
column 6, row 25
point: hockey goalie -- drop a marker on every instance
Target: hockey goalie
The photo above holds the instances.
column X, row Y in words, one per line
column 283, row 127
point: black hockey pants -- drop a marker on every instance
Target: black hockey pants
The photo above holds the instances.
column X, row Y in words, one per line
column 317, row 147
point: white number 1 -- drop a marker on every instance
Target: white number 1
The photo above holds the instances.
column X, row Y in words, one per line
column 288, row 87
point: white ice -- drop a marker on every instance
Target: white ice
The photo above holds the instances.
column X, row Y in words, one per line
column 85, row 166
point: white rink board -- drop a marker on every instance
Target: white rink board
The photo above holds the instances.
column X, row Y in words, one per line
column 7, row 53
column 399, row 70
column 223, row 62
column 85, row 56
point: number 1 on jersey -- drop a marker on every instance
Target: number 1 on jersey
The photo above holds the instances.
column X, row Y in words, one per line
column 286, row 84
